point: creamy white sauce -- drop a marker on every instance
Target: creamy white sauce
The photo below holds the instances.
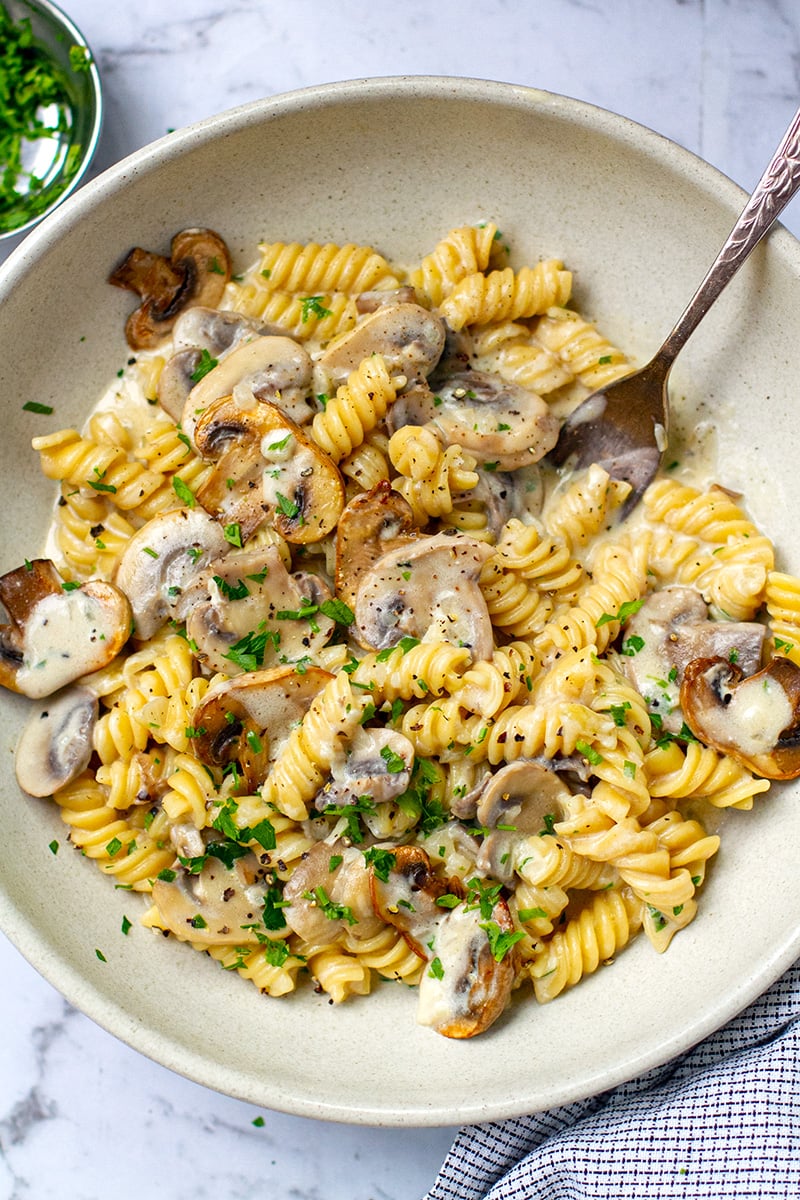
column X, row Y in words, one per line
column 755, row 716
column 65, row 637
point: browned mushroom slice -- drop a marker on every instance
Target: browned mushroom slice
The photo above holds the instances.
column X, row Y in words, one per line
column 428, row 590
column 671, row 628
column 469, row 946
column 276, row 369
column 755, row 719
column 196, row 272
column 56, row 743
column 251, row 596
column 161, row 561
column 266, row 467
column 57, row 632
column 408, row 336
column 367, row 302
column 246, row 720
column 518, row 801
column 503, row 425
column 373, row 523
column 329, row 892
column 219, row 905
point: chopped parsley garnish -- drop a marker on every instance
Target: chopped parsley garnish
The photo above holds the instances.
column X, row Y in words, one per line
column 233, row 534
column 183, row 492
column 332, row 910
column 589, row 753
column 248, row 652
column 626, row 610
column 381, row 861
column 231, row 591
column 500, row 941
column 394, row 762
column 205, row 364
column 436, row 970
column 286, row 506
column 313, row 306
column 36, row 407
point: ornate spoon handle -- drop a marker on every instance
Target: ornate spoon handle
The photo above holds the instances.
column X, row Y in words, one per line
column 774, row 190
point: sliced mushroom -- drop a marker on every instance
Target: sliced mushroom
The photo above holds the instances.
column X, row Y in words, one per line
column 57, row 632
column 408, row 336
column 246, row 720
column 755, row 719
column 515, row 804
column 329, row 892
column 670, row 629
column 56, row 743
column 196, row 272
column 501, row 424
column 428, row 590
column 219, row 905
column 276, row 369
column 367, row 302
column 249, row 599
column 466, row 988
column 216, row 330
column 160, row 562
column 266, row 467
column 372, row 524
column 378, row 764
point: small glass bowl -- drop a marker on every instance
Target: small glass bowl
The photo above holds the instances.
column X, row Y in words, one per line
column 60, row 162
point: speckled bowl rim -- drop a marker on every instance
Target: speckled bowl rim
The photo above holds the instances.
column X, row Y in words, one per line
column 769, row 958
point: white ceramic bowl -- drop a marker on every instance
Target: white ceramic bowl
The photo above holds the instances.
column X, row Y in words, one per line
column 396, row 163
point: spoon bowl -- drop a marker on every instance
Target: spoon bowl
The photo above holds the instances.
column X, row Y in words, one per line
column 623, row 427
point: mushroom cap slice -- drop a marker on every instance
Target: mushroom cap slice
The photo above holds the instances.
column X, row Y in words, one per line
column 56, row 743
column 428, row 590
column 378, row 764
column 55, row 634
column 266, row 467
column 519, row 797
column 754, row 719
column 674, row 628
column 252, row 591
column 196, row 272
column 499, row 423
column 329, row 891
column 161, row 561
column 470, row 988
column 373, row 523
column 216, row 330
column 277, row 369
column 247, row 719
column 219, row 905
column 408, row 336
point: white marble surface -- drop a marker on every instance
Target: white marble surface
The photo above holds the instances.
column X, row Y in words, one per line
column 81, row 1115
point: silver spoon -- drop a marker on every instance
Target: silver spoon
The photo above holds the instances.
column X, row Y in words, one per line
column 624, row 426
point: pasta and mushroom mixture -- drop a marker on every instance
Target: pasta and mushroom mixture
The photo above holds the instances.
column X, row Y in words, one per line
column 338, row 673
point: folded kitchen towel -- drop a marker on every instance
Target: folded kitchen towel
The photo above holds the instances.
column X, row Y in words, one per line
column 721, row 1120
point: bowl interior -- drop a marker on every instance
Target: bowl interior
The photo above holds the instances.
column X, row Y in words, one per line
column 396, row 164
column 59, row 162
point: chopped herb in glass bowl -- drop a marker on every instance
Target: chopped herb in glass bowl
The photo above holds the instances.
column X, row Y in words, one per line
column 50, row 110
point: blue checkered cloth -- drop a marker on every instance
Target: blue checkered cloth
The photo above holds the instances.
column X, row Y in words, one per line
column 722, row 1120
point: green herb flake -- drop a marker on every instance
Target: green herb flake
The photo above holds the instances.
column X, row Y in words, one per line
column 205, row 363
column 589, row 753
column 312, row 306
column 183, row 492
column 126, row 925
column 436, row 970
column 35, row 407
column 394, row 762
column 100, row 955
column 233, row 534
column 381, row 861
column 500, row 941
column 53, row 847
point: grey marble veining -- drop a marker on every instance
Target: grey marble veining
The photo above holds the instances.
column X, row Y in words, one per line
column 81, row 1115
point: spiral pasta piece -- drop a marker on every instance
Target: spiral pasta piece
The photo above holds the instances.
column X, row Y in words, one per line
column 296, row 267
column 595, row 936
column 463, row 251
column 583, row 350
column 507, row 295
column 356, row 409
